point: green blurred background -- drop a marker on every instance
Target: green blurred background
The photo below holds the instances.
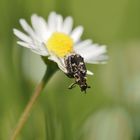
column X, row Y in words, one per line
column 111, row 108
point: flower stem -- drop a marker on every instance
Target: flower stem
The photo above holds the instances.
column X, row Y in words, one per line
column 49, row 72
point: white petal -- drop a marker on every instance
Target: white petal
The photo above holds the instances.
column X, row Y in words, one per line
column 34, row 20
column 59, row 23
column 67, row 26
column 76, row 33
column 40, row 52
column 44, row 31
column 28, row 29
column 89, row 72
column 93, row 53
column 23, row 44
column 59, row 62
column 36, row 40
column 102, row 59
column 83, row 44
column 22, row 36
column 40, row 27
column 52, row 21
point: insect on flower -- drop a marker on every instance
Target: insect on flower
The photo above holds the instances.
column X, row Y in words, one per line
column 59, row 42
column 76, row 68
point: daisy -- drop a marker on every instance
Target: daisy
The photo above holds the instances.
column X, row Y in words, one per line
column 62, row 44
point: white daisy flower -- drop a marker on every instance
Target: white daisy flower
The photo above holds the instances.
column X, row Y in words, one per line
column 57, row 40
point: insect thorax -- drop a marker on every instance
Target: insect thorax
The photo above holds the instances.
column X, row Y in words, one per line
column 76, row 69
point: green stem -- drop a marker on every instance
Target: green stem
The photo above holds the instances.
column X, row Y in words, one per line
column 49, row 72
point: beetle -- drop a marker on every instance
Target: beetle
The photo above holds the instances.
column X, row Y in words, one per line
column 76, row 69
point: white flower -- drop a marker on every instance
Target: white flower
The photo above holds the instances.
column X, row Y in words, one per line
column 56, row 39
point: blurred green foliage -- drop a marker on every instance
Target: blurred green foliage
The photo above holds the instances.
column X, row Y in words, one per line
column 110, row 109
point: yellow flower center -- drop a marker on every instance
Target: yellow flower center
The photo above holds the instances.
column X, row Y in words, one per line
column 60, row 44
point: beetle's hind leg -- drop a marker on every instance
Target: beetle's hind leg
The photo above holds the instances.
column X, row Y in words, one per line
column 72, row 85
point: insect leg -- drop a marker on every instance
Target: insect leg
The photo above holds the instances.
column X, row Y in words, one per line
column 72, row 85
